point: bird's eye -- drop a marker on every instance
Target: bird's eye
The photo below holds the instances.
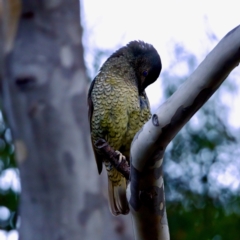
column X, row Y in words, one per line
column 145, row 73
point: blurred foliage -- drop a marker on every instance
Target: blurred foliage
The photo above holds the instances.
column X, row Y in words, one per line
column 9, row 197
column 208, row 221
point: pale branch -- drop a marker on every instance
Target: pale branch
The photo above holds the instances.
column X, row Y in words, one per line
column 146, row 191
column 109, row 153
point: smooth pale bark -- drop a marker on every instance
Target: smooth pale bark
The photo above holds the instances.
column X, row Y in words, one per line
column 44, row 93
column 146, row 190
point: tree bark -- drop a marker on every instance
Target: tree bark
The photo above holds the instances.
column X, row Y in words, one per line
column 146, row 189
column 44, row 93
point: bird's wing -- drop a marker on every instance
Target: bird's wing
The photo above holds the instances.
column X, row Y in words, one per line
column 90, row 111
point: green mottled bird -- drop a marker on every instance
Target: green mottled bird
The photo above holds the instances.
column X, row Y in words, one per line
column 118, row 108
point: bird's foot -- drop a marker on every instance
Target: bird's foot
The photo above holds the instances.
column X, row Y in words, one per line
column 115, row 158
column 120, row 157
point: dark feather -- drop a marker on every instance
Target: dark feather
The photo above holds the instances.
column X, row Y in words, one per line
column 90, row 111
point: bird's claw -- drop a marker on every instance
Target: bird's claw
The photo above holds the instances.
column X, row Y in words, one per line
column 121, row 157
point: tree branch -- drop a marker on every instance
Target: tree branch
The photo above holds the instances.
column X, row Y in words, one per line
column 123, row 166
column 146, row 190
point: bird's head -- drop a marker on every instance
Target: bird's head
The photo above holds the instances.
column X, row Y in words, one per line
column 146, row 62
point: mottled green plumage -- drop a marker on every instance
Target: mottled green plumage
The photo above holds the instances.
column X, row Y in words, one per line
column 118, row 108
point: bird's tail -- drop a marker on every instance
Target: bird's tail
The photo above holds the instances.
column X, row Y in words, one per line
column 117, row 185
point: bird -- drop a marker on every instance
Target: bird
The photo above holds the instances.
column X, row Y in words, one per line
column 119, row 107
